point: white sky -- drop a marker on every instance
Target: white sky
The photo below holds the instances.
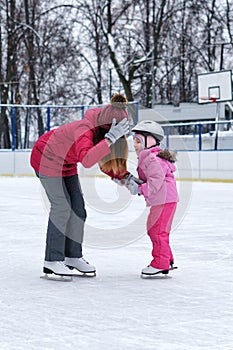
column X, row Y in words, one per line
column 191, row 310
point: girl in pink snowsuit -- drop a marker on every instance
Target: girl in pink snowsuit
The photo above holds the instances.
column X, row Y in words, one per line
column 156, row 169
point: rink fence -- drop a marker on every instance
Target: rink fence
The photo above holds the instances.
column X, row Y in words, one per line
column 202, row 166
column 192, row 136
column 23, row 119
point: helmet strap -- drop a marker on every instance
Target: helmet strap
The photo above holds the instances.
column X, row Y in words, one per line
column 146, row 134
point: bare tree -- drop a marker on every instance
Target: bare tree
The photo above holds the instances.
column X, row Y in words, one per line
column 62, row 53
column 9, row 75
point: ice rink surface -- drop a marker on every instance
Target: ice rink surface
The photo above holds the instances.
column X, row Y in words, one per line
column 191, row 309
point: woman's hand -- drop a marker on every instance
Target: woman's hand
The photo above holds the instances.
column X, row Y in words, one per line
column 117, row 130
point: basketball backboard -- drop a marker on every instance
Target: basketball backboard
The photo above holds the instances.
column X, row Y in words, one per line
column 215, row 87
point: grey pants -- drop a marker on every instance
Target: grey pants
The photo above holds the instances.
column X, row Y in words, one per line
column 66, row 218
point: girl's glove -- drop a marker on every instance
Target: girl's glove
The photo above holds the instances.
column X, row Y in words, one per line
column 126, row 180
column 133, row 187
column 130, row 182
column 135, row 179
column 117, row 131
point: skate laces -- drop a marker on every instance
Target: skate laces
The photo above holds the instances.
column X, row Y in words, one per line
column 62, row 263
column 84, row 260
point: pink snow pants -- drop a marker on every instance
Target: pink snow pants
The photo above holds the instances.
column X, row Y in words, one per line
column 158, row 228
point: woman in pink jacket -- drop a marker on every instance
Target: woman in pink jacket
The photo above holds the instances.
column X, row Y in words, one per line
column 98, row 138
column 156, row 169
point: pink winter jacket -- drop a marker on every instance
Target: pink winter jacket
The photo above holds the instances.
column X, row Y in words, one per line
column 159, row 185
column 57, row 152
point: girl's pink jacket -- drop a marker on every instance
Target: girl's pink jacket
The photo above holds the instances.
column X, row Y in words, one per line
column 57, row 152
column 159, row 185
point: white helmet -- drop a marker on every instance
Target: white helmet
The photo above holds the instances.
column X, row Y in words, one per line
column 151, row 127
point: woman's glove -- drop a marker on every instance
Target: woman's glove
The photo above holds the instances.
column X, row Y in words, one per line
column 117, row 181
column 117, row 131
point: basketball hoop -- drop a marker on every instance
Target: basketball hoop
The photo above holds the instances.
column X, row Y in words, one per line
column 210, row 99
column 214, row 87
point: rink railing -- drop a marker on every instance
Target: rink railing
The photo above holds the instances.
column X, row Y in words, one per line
column 199, row 136
column 192, row 136
column 54, row 116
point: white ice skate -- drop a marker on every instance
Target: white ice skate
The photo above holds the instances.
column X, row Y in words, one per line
column 80, row 267
column 56, row 271
column 150, row 271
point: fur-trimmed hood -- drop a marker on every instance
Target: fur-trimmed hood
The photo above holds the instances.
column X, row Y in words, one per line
column 168, row 155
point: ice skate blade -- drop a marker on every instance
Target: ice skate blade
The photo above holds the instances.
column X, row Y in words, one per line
column 58, row 278
column 173, row 268
column 156, row 276
column 77, row 273
column 84, row 274
column 159, row 275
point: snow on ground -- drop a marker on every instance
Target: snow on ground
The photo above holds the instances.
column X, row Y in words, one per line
column 191, row 310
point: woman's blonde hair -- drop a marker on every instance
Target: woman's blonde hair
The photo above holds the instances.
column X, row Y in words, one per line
column 116, row 160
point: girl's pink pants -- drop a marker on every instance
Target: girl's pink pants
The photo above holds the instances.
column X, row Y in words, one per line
column 158, row 228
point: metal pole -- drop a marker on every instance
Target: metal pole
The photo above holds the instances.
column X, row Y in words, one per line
column 137, row 109
column 13, row 127
column 48, row 118
column 82, row 109
column 153, row 80
column 110, row 83
column 216, row 126
column 200, row 136
column 167, row 136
